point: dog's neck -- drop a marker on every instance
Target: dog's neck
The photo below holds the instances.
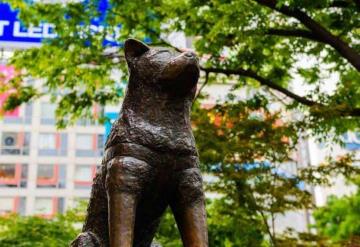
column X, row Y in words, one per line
column 147, row 101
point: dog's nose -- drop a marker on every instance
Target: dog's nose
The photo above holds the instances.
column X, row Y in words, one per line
column 189, row 54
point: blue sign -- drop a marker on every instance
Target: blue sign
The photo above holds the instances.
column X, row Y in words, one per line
column 111, row 118
column 14, row 33
column 352, row 141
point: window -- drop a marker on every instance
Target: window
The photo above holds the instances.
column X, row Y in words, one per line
column 79, row 201
column 100, row 144
column 13, row 175
column 15, row 143
column 52, row 144
column 51, row 176
column 47, row 113
column 12, row 205
column 6, row 205
column 44, row 206
column 84, row 142
column 47, row 141
column 48, row 206
column 21, row 115
column 97, row 111
column 89, row 145
column 84, row 175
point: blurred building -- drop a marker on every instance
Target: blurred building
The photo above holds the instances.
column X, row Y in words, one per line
column 44, row 170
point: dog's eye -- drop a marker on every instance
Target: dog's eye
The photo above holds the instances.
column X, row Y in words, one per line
column 164, row 53
column 161, row 53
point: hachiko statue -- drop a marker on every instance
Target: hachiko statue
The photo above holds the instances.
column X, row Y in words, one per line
column 150, row 159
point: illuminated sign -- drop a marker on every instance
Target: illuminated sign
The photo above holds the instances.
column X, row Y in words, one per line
column 14, row 34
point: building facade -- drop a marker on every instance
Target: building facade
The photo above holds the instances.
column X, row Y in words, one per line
column 44, row 170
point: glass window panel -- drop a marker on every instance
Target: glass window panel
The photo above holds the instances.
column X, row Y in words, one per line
column 24, row 171
column 43, row 206
column 51, row 176
column 13, row 175
column 47, row 141
column 100, row 142
column 64, row 145
column 84, row 142
column 62, row 176
column 45, row 171
column 7, row 171
column 24, row 176
column 26, row 139
column 83, row 173
column 6, row 205
column 22, row 206
column 61, row 205
column 48, row 110
column 47, row 113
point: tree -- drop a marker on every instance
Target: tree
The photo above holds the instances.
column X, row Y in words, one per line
column 247, row 152
column 339, row 219
column 259, row 45
column 29, row 231
column 262, row 41
column 228, row 227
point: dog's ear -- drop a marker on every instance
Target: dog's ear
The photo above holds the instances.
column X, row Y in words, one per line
column 134, row 48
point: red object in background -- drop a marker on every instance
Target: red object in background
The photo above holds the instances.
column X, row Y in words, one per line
column 50, row 181
column 55, row 203
column 6, row 74
column 16, row 204
column 57, row 141
column 15, row 180
column 88, row 182
column 94, row 142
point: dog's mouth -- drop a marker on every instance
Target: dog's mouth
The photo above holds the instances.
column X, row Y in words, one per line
column 181, row 73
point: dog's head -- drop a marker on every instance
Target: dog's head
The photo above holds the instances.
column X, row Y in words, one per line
column 175, row 72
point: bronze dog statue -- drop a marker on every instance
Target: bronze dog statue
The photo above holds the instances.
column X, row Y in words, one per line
column 150, row 159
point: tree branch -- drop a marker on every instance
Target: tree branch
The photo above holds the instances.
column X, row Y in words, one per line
column 269, row 83
column 357, row 2
column 263, row 81
column 302, row 33
column 339, row 4
column 203, row 85
column 339, row 45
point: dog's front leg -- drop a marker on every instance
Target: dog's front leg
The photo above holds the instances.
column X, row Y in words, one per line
column 125, row 179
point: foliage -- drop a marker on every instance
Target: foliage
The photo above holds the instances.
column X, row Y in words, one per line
column 231, row 225
column 225, row 223
column 225, row 228
column 269, row 48
column 252, row 159
column 339, row 219
column 26, row 231
column 168, row 234
column 265, row 43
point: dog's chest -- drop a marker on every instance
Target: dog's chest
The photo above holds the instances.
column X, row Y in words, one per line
column 177, row 138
